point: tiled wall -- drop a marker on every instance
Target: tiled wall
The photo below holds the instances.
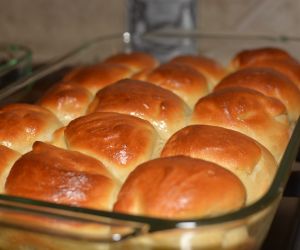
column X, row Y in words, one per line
column 52, row 27
column 273, row 17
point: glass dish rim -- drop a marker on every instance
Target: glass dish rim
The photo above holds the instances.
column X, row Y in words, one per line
column 158, row 224
column 26, row 54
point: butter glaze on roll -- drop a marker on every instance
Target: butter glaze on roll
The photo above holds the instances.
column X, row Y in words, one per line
column 58, row 138
column 136, row 61
column 96, row 77
column 23, row 124
column 247, row 111
column 7, row 159
column 182, row 80
column 163, row 109
column 270, row 83
column 245, row 157
column 67, row 101
column 180, row 187
column 274, row 58
column 56, row 175
column 288, row 67
column 211, row 69
column 252, row 56
column 120, row 141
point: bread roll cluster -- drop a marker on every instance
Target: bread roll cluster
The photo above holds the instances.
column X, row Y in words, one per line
column 184, row 139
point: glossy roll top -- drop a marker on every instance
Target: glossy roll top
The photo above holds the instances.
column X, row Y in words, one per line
column 120, row 141
column 52, row 174
column 210, row 68
column 245, row 157
column 180, row 187
column 163, row 109
column 23, row 124
column 97, row 76
column 252, row 56
column 182, row 80
column 7, row 159
column 136, row 61
column 67, row 101
column 270, row 83
column 274, row 58
column 247, row 111
column 288, row 67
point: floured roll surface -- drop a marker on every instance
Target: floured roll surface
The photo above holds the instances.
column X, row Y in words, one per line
column 163, row 109
column 120, row 141
column 67, row 101
column 252, row 56
column 182, row 80
column 136, row 61
column 240, row 154
column 23, row 124
column 270, row 83
column 95, row 77
column 180, row 187
column 247, row 111
column 211, row 69
column 52, row 174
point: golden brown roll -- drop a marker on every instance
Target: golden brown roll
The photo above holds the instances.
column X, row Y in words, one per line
column 23, row 124
column 288, row 67
column 7, row 159
column 52, row 174
column 246, row 158
column 247, row 111
column 180, row 187
column 253, row 56
column 95, row 77
column 120, row 141
column 270, row 83
column 163, row 109
column 182, row 80
column 136, row 60
column 211, row 69
column 67, row 101
column 58, row 138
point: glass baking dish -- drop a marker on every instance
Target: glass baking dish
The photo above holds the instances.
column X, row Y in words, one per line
column 15, row 62
column 31, row 224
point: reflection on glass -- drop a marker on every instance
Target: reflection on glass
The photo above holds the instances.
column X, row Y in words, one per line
column 162, row 15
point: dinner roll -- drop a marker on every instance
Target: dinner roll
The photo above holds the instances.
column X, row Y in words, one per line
column 136, row 60
column 23, row 124
column 182, row 80
column 52, row 174
column 211, row 69
column 247, row 111
column 288, row 67
column 7, row 159
column 270, row 83
column 252, row 56
column 180, row 187
column 58, row 138
column 163, row 109
column 67, row 101
column 246, row 158
column 120, row 141
column 97, row 76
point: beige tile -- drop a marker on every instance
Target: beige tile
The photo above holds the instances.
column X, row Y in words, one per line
column 52, row 27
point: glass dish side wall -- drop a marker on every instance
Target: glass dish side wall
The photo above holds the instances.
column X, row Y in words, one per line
column 245, row 228
column 15, row 62
column 247, row 233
